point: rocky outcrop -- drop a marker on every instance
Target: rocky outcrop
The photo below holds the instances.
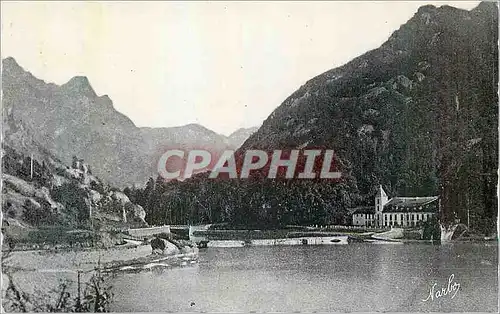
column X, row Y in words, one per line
column 163, row 247
column 53, row 195
column 170, row 247
column 116, row 206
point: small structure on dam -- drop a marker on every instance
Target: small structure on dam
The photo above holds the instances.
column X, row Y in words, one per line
column 148, row 232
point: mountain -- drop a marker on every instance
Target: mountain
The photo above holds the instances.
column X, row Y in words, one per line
column 72, row 119
column 41, row 193
column 238, row 137
column 418, row 115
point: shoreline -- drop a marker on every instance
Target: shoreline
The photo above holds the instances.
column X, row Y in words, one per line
column 367, row 237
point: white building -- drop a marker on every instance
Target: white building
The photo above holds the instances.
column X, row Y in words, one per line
column 364, row 216
column 396, row 212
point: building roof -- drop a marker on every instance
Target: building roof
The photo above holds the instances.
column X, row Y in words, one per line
column 381, row 193
column 412, row 204
column 363, row 210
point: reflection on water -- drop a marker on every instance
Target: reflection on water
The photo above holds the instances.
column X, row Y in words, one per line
column 357, row 277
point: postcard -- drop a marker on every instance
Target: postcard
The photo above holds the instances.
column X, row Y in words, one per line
column 260, row 156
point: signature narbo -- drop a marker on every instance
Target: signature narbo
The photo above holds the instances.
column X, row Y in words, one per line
column 451, row 289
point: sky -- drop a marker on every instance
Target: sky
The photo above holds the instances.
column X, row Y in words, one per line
column 224, row 65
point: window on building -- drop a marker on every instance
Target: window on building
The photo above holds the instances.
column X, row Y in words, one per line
column 378, row 201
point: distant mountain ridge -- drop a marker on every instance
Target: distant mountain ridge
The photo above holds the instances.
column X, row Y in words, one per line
column 238, row 137
column 72, row 119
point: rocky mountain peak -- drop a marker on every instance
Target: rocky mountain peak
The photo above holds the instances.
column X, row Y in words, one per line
column 80, row 85
column 426, row 9
column 17, row 74
column 10, row 63
column 197, row 127
column 105, row 101
column 487, row 6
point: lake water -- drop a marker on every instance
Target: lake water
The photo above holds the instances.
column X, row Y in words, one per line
column 354, row 277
